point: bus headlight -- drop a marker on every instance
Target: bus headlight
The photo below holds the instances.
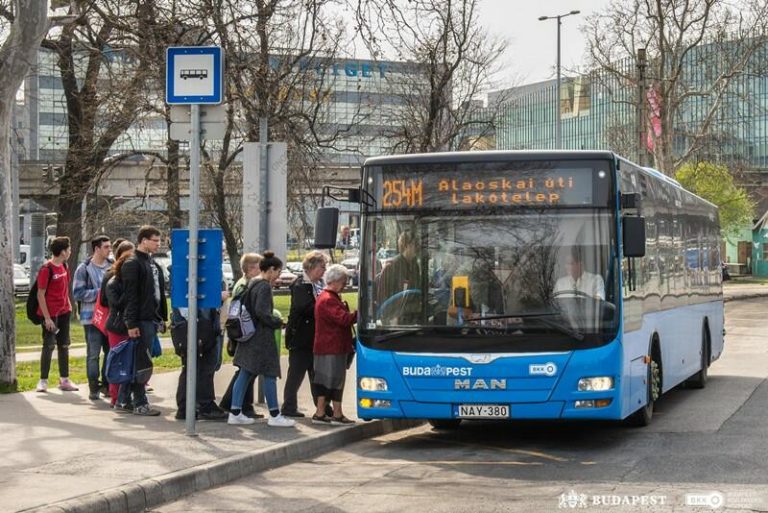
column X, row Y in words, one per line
column 598, row 384
column 373, row 384
column 375, row 403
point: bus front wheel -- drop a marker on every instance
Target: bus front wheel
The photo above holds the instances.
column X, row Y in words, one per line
column 445, row 424
column 643, row 416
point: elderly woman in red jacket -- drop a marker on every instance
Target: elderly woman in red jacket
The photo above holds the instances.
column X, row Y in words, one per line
column 333, row 345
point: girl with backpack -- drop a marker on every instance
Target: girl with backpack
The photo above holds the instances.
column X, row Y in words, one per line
column 258, row 355
column 112, row 290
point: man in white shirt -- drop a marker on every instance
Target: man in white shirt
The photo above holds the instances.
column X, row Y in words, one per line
column 579, row 282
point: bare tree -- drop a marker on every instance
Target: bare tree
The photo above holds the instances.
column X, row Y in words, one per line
column 24, row 24
column 696, row 49
column 279, row 56
column 451, row 63
column 103, row 62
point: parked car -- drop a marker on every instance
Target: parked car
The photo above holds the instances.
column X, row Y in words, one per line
column 296, row 268
column 285, row 279
column 229, row 276
column 20, row 280
column 353, row 270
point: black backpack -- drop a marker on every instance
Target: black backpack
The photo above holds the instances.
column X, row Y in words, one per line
column 32, row 303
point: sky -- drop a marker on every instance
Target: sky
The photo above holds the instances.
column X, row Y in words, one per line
column 532, row 45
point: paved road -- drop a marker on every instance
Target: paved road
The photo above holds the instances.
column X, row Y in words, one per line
column 712, row 443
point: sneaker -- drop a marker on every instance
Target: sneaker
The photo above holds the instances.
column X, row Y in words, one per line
column 239, row 419
column 42, row 385
column 123, row 407
column 105, row 391
column 341, row 421
column 93, row 396
column 295, row 414
column 280, row 421
column 146, row 411
column 67, row 386
column 324, row 420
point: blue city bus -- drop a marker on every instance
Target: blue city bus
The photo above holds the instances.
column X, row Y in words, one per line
column 531, row 285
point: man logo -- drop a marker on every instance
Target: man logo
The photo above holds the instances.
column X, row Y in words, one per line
column 542, row 369
column 480, row 384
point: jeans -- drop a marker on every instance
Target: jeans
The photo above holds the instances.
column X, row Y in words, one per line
column 96, row 342
column 247, row 404
column 59, row 340
column 270, row 391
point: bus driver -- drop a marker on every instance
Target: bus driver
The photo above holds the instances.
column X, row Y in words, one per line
column 579, row 282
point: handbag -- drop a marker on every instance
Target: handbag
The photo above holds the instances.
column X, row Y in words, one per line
column 100, row 315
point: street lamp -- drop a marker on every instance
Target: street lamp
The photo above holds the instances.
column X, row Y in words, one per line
column 558, row 133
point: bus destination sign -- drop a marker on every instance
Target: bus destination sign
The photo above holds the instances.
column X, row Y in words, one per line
column 403, row 189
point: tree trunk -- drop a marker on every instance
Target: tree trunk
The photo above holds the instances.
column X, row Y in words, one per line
column 172, row 194
column 17, row 55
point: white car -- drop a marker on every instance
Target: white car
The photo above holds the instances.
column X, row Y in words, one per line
column 20, row 280
column 353, row 270
column 229, row 276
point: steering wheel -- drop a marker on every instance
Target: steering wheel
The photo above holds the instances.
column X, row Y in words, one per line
column 572, row 294
column 396, row 303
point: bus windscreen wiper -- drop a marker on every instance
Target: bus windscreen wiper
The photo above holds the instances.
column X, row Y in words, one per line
column 394, row 334
column 542, row 317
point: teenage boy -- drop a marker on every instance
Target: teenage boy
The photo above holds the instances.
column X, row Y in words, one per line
column 54, row 308
column 146, row 312
column 85, row 287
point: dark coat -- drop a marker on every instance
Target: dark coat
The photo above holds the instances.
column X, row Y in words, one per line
column 138, row 279
column 258, row 355
column 333, row 325
column 115, row 295
column 300, row 332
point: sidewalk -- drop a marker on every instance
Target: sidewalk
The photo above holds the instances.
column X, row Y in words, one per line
column 62, row 447
column 732, row 290
column 63, row 452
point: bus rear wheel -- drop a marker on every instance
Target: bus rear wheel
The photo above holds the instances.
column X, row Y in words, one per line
column 699, row 380
column 445, row 424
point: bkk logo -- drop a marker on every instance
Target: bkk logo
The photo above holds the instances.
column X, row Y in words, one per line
column 545, row 369
column 437, row 371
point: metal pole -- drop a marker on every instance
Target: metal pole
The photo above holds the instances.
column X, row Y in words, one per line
column 558, row 133
column 263, row 182
column 194, row 202
column 264, row 214
column 640, row 111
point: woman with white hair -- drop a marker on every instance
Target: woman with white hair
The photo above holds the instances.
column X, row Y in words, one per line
column 333, row 346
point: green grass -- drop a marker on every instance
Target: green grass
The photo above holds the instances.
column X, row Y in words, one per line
column 29, row 336
column 27, row 373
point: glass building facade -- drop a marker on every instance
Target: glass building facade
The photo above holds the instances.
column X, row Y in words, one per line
column 597, row 111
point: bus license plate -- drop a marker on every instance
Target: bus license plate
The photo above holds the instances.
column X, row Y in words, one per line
column 484, row 411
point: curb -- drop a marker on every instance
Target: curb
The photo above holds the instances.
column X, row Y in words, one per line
column 138, row 496
column 755, row 295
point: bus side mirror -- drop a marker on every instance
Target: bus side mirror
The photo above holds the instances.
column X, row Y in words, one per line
column 633, row 229
column 326, row 226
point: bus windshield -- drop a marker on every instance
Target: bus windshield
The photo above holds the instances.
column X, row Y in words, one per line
column 493, row 276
